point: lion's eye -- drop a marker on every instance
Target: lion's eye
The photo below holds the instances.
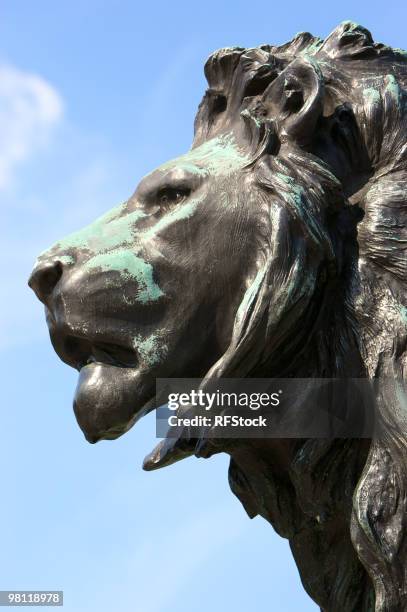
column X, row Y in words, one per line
column 171, row 195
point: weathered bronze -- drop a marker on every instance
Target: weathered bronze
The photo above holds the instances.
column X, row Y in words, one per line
column 292, row 204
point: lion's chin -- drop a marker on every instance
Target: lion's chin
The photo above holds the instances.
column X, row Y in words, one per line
column 109, row 400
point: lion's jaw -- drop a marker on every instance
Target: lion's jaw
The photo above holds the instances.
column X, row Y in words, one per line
column 140, row 293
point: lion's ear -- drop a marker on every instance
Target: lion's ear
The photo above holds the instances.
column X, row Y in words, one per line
column 294, row 101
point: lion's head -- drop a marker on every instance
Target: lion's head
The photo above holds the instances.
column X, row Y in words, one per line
column 276, row 246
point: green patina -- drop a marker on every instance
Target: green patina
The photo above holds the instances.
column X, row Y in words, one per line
column 312, row 48
column 109, row 231
column 192, row 168
column 401, row 397
column 130, row 266
column 249, row 114
column 286, row 179
column 296, row 192
column 177, row 214
column 250, row 295
column 295, row 197
column 403, row 311
column 393, row 88
column 372, row 95
column 217, row 156
column 66, row 259
column 111, row 236
column 150, row 349
column 116, row 229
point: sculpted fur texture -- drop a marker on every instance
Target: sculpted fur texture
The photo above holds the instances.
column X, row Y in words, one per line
column 276, row 247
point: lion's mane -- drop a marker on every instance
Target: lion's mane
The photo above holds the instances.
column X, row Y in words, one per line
column 352, row 245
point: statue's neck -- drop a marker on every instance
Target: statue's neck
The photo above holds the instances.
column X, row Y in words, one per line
column 302, row 487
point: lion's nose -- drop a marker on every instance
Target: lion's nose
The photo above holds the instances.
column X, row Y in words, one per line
column 44, row 278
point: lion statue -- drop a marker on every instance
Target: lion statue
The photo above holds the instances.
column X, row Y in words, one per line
column 276, row 247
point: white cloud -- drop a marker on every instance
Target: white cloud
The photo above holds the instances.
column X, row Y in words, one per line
column 29, row 109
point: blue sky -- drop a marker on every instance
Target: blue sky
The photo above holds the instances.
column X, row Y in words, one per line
column 92, row 96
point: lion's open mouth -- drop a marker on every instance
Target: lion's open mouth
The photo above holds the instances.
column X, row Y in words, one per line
column 112, row 391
